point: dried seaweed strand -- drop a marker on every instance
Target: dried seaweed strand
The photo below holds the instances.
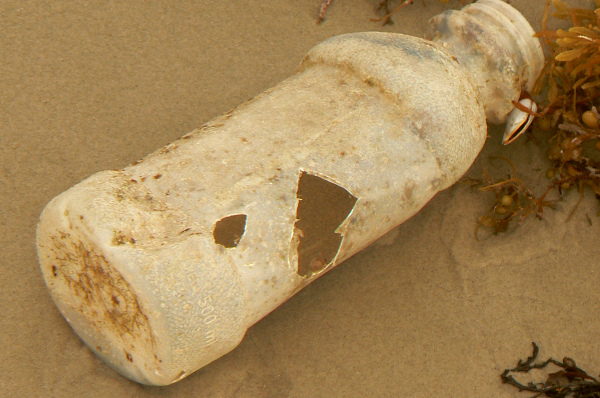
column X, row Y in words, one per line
column 569, row 86
column 514, row 201
column 571, row 381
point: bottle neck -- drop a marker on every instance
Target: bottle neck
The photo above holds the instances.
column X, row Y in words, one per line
column 495, row 43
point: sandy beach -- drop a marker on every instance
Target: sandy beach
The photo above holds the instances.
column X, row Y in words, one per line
column 426, row 311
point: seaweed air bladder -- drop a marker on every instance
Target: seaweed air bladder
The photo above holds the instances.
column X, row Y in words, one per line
column 162, row 266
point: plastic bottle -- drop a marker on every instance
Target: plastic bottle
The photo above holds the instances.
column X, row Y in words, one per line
column 162, row 267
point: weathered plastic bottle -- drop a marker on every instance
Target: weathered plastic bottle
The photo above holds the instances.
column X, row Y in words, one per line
column 162, row 267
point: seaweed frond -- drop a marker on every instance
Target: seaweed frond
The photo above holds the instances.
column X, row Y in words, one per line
column 514, row 201
column 569, row 87
column 569, row 381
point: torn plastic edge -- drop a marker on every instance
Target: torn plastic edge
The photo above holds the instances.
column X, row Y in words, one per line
column 229, row 230
column 295, row 255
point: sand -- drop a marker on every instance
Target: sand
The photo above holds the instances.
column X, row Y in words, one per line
column 427, row 311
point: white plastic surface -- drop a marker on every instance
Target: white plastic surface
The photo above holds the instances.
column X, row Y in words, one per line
column 161, row 267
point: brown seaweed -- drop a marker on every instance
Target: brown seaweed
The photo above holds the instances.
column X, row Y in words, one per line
column 570, row 381
column 569, row 89
column 513, row 199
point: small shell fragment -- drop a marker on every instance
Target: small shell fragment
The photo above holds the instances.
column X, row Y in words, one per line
column 518, row 121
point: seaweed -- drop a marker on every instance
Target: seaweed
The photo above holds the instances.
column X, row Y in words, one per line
column 570, row 81
column 514, row 200
column 569, row 92
column 571, row 381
